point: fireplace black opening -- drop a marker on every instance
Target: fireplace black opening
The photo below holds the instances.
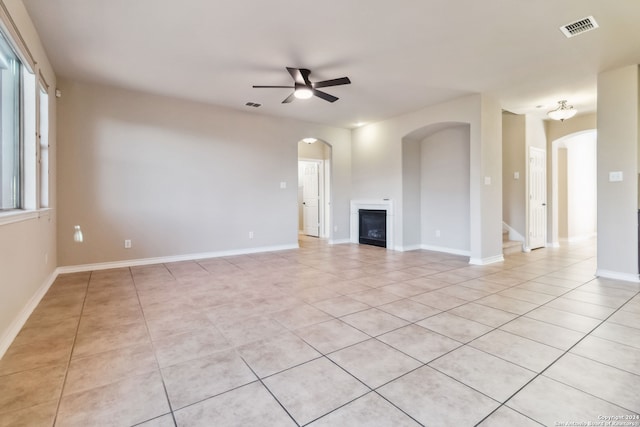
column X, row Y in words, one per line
column 373, row 227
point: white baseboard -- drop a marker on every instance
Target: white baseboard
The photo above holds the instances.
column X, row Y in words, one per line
column 626, row 277
column 409, row 248
column 174, row 258
column 16, row 325
column 339, row 241
column 582, row 238
column 18, row 322
column 485, row 261
column 445, row 250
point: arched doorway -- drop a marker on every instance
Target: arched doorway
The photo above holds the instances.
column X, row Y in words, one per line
column 436, row 188
column 574, row 187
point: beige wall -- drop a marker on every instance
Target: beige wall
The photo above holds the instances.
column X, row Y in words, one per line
column 618, row 138
column 412, row 194
column 28, row 248
column 520, row 132
column 378, row 161
column 514, row 161
column 180, row 178
column 445, row 190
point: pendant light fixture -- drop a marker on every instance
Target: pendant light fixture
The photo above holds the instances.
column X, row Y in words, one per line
column 563, row 112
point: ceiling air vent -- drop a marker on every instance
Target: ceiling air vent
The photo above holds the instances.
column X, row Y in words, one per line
column 582, row 26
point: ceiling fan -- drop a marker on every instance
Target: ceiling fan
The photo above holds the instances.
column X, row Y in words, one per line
column 305, row 89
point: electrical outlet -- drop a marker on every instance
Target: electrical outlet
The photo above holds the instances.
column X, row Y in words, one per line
column 251, row 234
column 335, row 228
column 127, row 244
column 437, row 233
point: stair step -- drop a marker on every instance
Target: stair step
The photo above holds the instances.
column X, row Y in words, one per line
column 511, row 247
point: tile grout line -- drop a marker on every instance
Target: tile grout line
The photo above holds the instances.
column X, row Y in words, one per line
column 488, row 332
column 269, row 390
column 371, row 390
column 73, row 345
column 164, row 385
column 356, row 258
column 561, row 356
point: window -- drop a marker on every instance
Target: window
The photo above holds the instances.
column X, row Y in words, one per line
column 43, row 135
column 10, row 153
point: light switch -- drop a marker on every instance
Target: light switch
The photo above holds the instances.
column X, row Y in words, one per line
column 283, row 185
column 615, row 176
column 487, row 180
column 516, row 175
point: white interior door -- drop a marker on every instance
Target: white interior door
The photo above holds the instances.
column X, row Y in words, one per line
column 310, row 198
column 537, row 198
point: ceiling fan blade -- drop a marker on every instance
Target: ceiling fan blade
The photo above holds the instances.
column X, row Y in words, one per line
column 332, row 82
column 289, row 98
column 305, row 76
column 296, row 75
column 262, row 87
column 300, row 75
column 324, row 95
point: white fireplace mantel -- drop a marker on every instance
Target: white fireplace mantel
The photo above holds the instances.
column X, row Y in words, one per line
column 374, row 204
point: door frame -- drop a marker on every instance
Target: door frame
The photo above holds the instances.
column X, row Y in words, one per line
column 528, row 198
column 322, row 227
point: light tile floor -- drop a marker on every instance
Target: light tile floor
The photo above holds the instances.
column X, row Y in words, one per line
column 343, row 335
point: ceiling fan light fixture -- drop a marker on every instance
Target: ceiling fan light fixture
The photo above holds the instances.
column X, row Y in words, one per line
column 563, row 112
column 303, row 88
column 303, row 93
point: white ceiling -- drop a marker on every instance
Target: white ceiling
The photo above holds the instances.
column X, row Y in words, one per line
column 400, row 55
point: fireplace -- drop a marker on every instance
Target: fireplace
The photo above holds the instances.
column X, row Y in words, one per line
column 385, row 207
column 372, row 227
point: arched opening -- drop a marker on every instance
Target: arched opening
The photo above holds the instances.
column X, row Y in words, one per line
column 574, row 187
column 437, row 188
column 314, row 188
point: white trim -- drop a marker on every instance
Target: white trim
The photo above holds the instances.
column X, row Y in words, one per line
column 339, row 241
column 582, row 238
column 20, row 215
column 175, row 258
column 627, row 277
column 377, row 204
column 12, row 217
column 15, row 39
column 409, row 248
column 18, row 322
column 485, row 261
column 445, row 250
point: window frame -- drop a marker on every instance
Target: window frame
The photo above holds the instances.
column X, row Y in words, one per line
column 31, row 205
